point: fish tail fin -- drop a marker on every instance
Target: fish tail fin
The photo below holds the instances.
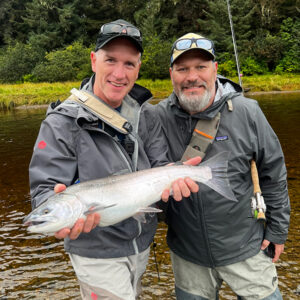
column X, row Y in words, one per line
column 220, row 182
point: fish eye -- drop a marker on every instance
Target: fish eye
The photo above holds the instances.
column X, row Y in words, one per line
column 46, row 211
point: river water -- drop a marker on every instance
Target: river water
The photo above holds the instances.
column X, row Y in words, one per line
column 36, row 267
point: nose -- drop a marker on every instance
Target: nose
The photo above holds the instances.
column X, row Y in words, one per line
column 192, row 75
column 119, row 71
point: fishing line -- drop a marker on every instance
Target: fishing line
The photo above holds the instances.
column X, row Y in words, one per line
column 234, row 45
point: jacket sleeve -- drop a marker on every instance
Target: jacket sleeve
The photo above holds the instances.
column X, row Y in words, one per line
column 151, row 133
column 273, row 180
column 53, row 160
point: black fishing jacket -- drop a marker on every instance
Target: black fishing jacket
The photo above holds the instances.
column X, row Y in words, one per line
column 206, row 228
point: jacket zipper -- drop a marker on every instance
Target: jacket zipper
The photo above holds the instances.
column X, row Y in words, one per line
column 203, row 225
column 124, row 154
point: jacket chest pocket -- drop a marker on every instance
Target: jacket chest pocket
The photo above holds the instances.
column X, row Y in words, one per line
column 99, row 156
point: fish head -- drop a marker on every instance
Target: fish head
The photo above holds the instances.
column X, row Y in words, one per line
column 59, row 211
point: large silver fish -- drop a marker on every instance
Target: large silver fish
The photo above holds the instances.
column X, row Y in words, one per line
column 119, row 197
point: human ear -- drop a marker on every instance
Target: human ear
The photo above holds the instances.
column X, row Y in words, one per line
column 93, row 61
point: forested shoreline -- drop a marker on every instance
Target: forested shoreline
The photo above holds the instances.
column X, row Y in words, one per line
column 50, row 40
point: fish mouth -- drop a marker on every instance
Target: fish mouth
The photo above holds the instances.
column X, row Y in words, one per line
column 33, row 223
column 37, row 221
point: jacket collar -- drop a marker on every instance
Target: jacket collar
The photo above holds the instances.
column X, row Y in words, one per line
column 130, row 106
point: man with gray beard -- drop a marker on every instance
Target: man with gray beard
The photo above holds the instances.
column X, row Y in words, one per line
column 194, row 103
column 211, row 238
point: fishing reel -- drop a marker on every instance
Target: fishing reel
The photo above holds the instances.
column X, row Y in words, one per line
column 258, row 207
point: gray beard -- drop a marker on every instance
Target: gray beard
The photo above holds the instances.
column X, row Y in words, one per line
column 194, row 103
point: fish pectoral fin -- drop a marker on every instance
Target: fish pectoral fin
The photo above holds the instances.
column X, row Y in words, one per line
column 149, row 209
column 140, row 215
column 97, row 208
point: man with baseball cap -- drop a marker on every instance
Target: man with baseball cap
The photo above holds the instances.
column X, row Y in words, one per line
column 213, row 239
column 82, row 139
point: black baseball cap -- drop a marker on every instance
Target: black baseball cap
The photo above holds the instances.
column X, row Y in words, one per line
column 119, row 28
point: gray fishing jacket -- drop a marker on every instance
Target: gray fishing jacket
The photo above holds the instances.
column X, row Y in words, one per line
column 72, row 146
column 206, row 228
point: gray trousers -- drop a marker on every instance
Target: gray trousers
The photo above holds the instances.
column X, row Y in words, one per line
column 112, row 278
column 182, row 295
column 254, row 278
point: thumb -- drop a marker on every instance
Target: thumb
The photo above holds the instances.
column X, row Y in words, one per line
column 193, row 161
column 264, row 244
column 59, row 188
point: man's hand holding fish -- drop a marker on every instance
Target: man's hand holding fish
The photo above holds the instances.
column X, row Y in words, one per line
column 183, row 187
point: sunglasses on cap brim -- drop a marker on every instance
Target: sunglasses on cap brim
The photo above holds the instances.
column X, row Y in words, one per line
column 185, row 44
column 111, row 28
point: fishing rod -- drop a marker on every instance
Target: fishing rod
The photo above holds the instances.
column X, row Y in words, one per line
column 234, row 45
column 258, row 204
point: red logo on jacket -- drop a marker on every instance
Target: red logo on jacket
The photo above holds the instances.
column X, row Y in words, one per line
column 42, row 145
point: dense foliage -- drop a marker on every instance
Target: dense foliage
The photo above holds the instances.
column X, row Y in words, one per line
column 50, row 40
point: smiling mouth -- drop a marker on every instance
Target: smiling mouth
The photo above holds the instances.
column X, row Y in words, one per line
column 192, row 87
column 115, row 84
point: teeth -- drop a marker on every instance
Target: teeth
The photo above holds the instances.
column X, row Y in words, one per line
column 194, row 86
column 117, row 84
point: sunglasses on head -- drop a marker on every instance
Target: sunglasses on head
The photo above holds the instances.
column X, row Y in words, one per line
column 185, row 44
column 111, row 28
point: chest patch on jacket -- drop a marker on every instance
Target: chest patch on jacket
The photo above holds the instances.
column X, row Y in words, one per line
column 221, row 138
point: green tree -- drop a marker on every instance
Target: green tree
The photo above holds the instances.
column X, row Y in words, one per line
column 266, row 48
column 156, row 58
column 170, row 18
column 216, row 26
column 12, row 28
column 17, row 60
column 268, row 13
column 289, row 9
column 251, row 66
column 267, row 31
column 71, row 63
column 95, row 13
column 227, row 68
column 5, row 5
column 53, row 23
column 290, row 37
